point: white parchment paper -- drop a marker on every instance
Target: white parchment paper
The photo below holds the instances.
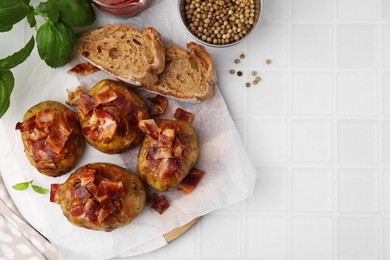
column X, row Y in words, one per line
column 229, row 178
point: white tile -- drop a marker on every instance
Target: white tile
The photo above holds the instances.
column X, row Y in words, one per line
column 386, row 9
column 357, row 238
column 386, row 141
column 311, row 93
column 357, row 93
column 357, row 10
column 386, row 93
column 268, row 140
column 271, row 43
column 266, row 237
column 357, row 141
column 311, row 189
column 386, row 45
column 274, row 10
column 270, row 95
column 233, row 90
column 351, row 41
column 270, row 192
column 311, row 45
column 386, row 190
column 217, row 230
column 386, row 238
column 311, row 237
column 358, row 190
column 311, row 10
column 312, row 140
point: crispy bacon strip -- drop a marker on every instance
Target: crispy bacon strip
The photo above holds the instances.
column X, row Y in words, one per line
column 166, row 137
column 190, row 181
column 159, row 203
column 103, row 126
column 112, row 189
column 83, row 69
column 156, row 153
column 86, row 176
column 104, row 97
column 55, row 193
column 86, row 103
column 149, row 127
column 166, row 167
column 158, row 105
column 181, row 114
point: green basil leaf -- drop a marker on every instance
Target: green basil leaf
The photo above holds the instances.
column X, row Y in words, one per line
column 31, row 20
column 55, row 42
column 76, row 13
column 18, row 57
column 7, row 82
column 21, row 186
column 13, row 11
column 5, row 28
column 39, row 189
column 48, row 9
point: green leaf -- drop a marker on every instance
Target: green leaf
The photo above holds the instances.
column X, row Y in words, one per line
column 55, row 42
column 48, row 9
column 13, row 11
column 18, row 57
column 5, row 28
column 21, row 186
column 76, row 13
column 39, row 189
column 7, row 82
column 31, row 20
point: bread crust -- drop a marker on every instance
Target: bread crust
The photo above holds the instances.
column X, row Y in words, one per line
column 123, row 51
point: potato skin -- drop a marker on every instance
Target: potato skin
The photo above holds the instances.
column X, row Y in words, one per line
column 130, row 205
column 133, row 136
column 69, row 156
column 190, row 154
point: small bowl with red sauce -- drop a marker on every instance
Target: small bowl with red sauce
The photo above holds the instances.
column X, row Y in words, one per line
column 125, row 8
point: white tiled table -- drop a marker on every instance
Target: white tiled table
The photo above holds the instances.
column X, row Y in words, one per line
column 317, row 128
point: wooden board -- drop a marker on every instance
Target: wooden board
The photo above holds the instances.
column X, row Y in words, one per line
column 175, row 233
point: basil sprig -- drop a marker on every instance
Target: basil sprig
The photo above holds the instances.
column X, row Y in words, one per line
column 55, row 39
column 24, row 186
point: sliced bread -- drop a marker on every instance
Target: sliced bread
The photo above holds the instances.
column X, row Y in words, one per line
column 189, row 75
column 125, row 52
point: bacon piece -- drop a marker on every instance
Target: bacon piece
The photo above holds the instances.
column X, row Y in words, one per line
column 159, row 105
column 181, row 114
column 125, row 104
column 86, row 103
column 149, row 127
column 60, row 133
column 166, row 137
column 55, row 193
column 190, row 181
column 112, row 189
column 42, row 158
column 93, row 189
column 104, row 97
column 77, row 210
column 45, row 118
column 177, row 148
column 83, row 69
column 74, row 97
column 103, row 126
column 159, row 203
column 166, row 168
column 86, row 176
column 92, row 210
column 156, row 153
column 81, row 193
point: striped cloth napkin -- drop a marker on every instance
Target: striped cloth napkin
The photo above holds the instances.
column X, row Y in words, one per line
column 18, row 240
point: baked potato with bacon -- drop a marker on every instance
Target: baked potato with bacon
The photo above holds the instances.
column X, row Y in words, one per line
column 168, row 152
column 52, row 138
column 109, row 115
column 100, row 196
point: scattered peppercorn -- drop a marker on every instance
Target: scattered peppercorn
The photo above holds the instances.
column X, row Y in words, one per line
column 232, row 71
column 255, row 82
column 257, row 78
column 268, row 61
column 254, row 73
column 236, row 61
column 242, row 56
column 247, row 84
column 220, row 21
column 239, row 73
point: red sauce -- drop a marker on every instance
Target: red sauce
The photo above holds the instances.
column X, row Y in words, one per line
column 126, row 8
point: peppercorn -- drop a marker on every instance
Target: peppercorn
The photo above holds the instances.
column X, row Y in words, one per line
column 220, row 21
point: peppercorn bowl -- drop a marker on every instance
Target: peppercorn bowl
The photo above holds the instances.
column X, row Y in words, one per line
column 220, row 23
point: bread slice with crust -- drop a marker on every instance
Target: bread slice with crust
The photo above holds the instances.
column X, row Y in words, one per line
column 125, row 52
column 189, row 75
